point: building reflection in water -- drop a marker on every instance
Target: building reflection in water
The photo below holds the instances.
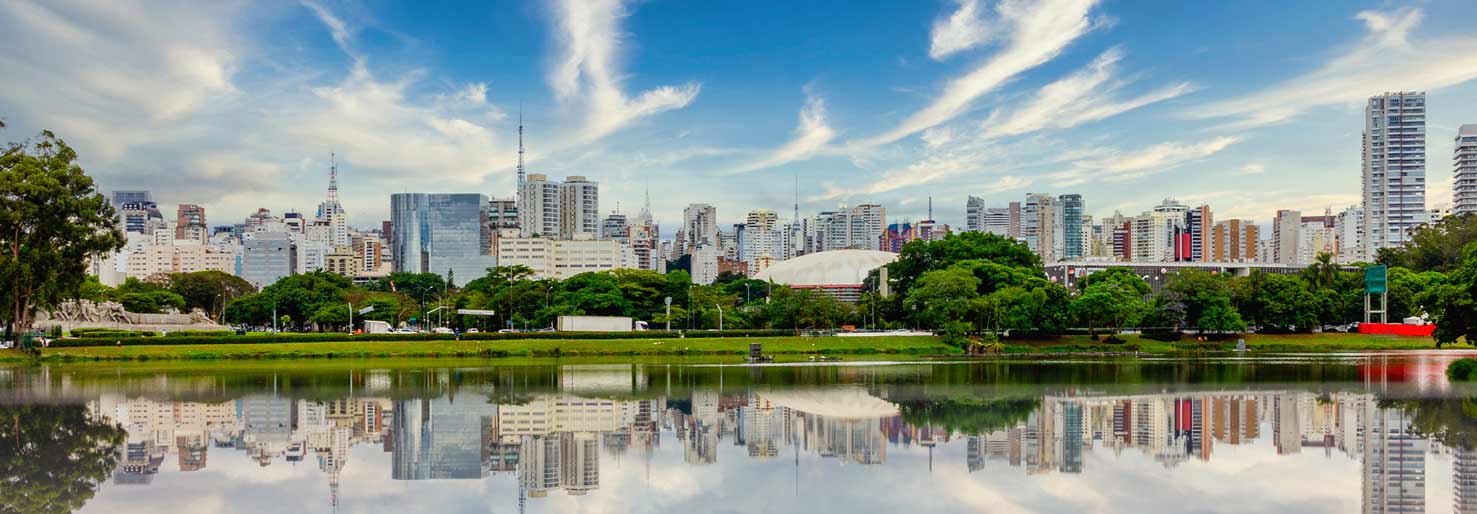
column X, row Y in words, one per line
column 551, row 443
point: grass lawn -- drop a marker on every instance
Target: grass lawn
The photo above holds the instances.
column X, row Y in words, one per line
column 778, row 346
column 783, row 348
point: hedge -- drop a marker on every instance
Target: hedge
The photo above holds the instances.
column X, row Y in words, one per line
column 293, row 337
column 115, row 333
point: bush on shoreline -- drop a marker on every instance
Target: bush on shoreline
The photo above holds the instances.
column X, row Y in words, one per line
column 1462, row 370
column 125, row 338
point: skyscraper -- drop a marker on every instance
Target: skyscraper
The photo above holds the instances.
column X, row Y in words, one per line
column 1286, row 234
column 1038, row 225
column 579, row 207
column 1394, row 171
column 1464, row 171
column 699, row 226
column 1073, row 234
column 440, row 233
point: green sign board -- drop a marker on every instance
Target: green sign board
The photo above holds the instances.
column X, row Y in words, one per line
column 1374, row 279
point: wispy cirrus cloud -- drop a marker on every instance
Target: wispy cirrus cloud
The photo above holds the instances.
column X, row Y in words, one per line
column 1090, row 94
column 1389, row 57
column 1136, row 164
column 964, row 29
column 587, row 72
column 1037, row 31
column 811, row 136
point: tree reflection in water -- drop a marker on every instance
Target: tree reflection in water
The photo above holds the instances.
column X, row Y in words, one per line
column 79, row 452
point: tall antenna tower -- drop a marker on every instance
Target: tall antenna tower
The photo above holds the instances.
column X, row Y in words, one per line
column 646, row 208
column 520, row 148
column 930, row 208
column 797, row 197
column 332, row 178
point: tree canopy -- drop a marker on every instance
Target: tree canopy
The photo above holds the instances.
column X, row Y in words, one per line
column 52, row 222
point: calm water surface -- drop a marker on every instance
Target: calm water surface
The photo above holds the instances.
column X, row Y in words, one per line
column 1338, row 434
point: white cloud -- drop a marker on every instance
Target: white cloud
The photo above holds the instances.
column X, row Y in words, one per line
column 336, row 26
column 811, row 136
column 1387, row 58
column 105, row 75
column 1082, row 97
column 1140, row 163
column 588, row 32
column 1038, row 31
column 1254, row 168
column 964, row 29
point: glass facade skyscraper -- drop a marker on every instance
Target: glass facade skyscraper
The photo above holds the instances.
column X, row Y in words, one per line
column 441, row 233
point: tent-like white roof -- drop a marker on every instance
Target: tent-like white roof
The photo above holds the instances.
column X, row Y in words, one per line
column 835, row 267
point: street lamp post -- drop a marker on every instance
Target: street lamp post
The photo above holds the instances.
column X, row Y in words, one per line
column 720, row 316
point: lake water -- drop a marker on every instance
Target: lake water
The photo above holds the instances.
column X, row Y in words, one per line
column 1337, row 434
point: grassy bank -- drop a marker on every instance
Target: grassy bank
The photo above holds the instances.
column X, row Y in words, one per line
column 785, row 348
column 1326, row 342
column 734, row 346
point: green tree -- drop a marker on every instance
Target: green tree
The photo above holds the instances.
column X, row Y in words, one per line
column 152, row 302
column 1405, row 288
column 1452, row 303
column 919, row 256
column 1437, row 247
column 1120, row 275
column 1040, row 307
column 1109, row 304
column 332, row 316
column 208, row 290
column 1196, row 291
column 592, row 294
column 1278, row 302
column 52, row 222
column 53, row 457
column 418, row 285
column 941, row 296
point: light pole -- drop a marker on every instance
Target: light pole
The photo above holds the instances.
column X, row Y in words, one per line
column 720, row 316
column 669, row 313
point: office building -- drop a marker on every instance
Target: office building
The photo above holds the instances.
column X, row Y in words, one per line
column 160, row 259
column 579, row 207
column 1394, row 169
column 538, row 212
column 615, row 226
column 190, row 223
column 268, row 257
column 442, row 233
column 141, row 217
column 563, row 258
column 1464, row 171
column 974, row 214
column 120, row 198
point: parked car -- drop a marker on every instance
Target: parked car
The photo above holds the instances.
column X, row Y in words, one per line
column 473, row 331
column 405, row 331
column 441, row 330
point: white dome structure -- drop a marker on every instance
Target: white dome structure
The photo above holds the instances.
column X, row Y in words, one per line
column 838, row 272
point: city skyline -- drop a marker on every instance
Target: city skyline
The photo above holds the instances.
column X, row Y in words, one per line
column 961, row 99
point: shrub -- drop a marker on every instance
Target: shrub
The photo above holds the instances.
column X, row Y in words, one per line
column 1114, row 339
column 1165, row 337
column 1462, row 369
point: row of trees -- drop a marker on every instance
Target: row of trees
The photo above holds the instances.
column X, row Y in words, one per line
column 984, row 282
column 321, row 301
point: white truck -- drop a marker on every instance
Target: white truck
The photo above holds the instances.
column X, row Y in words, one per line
column 376, row 327
column 594, row 324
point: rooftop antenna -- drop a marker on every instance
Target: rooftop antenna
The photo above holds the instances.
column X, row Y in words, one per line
column 332, row 178
column 520, row 146
column 930, row 208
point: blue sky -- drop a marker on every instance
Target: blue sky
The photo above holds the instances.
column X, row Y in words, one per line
column 1247, row 106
